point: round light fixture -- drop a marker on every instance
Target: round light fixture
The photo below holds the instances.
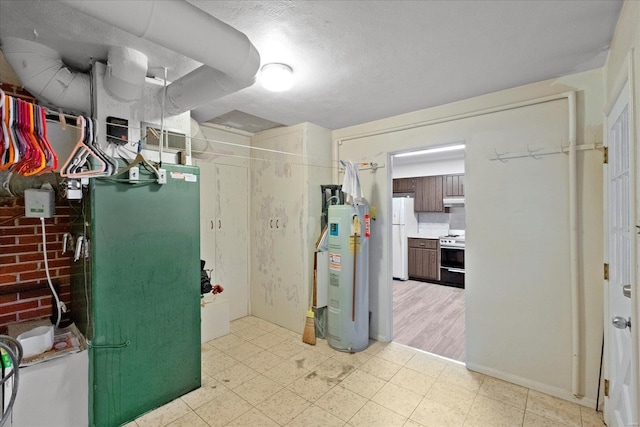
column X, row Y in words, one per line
column 276, row 77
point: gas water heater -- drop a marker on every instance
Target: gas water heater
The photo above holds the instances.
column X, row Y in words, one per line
column 348, row 314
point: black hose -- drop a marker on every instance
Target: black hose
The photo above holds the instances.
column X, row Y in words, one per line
column 600, row 374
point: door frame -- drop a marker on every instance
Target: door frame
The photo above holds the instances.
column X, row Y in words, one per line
column 624, row 82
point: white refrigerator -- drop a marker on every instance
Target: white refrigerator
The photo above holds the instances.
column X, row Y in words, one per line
column 404, row 223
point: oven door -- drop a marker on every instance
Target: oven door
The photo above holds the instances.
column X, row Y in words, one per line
column 452, row 258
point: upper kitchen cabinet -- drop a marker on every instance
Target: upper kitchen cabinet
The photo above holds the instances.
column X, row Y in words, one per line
column 428, row 194
column 288, row 165
column 453, row 185
column 404, row 185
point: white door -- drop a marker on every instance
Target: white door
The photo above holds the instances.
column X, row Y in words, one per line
column 232, row 236
column 621, row 403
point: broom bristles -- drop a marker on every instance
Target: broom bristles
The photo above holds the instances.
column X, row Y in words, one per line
column 309, row 334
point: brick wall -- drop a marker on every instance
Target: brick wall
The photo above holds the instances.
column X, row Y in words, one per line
column 17, row 92
column 24, row 292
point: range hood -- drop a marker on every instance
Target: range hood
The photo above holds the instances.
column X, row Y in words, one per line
column 449, row 202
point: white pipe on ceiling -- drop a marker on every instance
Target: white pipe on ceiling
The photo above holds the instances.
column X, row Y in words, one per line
column 45, row 76
column 230, row 60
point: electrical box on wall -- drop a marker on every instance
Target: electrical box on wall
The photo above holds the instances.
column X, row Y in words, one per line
column 39, row 203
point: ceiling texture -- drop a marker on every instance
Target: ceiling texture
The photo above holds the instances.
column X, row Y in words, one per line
column 358, row 61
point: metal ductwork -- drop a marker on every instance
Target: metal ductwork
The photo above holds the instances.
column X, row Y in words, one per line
column 230, row 60
column 45, row 76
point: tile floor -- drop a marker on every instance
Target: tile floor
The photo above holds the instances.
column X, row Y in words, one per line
column 264, row 375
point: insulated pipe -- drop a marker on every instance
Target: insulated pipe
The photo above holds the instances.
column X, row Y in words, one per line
column 45, row 76
column 573, row 202
column 231, row 61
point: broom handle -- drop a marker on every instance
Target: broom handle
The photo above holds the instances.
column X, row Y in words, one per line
column 315, row 279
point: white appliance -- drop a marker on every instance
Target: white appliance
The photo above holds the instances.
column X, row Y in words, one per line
column 403, row 223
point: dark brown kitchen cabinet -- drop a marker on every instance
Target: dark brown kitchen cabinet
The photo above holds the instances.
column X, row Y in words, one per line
column 423, row 259
column 428, row 194
column 404, row 185
column 453, row 185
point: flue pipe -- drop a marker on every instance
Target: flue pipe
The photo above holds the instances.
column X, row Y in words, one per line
column 45, row 76
column 230, row 60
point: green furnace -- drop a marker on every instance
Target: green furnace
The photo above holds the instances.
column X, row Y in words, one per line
column 136, row 297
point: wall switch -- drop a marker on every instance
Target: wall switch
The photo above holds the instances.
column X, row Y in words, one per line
column 134, row 174
column 162, row 178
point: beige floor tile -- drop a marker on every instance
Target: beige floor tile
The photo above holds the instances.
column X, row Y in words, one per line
column 323, row 346
column 263, row 361
column 397, row 353
column 452, row 396
column 257, row 389
column 312, row 386
column 207, row 350
column 209, row 390
column 380, row 368
column 397, row 399
column 591, row 418
column 495, row 413
column 164, row 415
column 253, row 418
column 226, row 342
column 554, row 408
column 268, row 341
column 374, row 415
column 244, row 351
column 505, row 392
column 533, row 420
column 251, row 319
column 411, row 423
column 353, row 359
column 251, row 333
column 309, row 358
column 473, row 422
column 334, row 369
column 315, row 416
column 460, row 376
column 288, row 334
column 238, row 324
column 224, row 409
column 283, row 406
column 364, row 384
column 412, row 380
column 131, row 424
column 286, row 372
column 267, row 326
column 212, row 365
column 375, row 346
column 341, row 402
column 430, row 413
column 287, row 349
column 426, row 364
column 235, row 375
column 190, row 420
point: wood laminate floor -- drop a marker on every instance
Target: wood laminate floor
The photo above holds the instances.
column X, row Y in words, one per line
column 429, row 317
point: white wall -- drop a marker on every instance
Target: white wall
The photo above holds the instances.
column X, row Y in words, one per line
column 517, row 295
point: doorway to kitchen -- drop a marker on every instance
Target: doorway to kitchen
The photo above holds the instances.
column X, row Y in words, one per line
column 427, row 250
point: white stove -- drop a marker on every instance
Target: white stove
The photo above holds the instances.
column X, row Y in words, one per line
column 453, row 241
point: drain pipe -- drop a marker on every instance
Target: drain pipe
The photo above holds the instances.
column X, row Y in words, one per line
column 573, row 248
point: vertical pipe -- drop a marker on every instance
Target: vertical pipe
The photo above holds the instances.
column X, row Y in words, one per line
column 573, row 248
column 164, row 93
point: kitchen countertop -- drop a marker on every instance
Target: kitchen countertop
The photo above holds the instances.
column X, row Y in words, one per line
column 426, row 235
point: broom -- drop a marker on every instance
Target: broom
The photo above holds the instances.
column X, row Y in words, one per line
column 309, row 334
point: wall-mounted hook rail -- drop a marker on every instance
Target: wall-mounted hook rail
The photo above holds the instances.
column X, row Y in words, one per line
column 363, row 166
column 537, row 154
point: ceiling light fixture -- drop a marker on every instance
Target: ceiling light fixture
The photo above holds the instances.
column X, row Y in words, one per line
column 432, row 150
column 276, row 77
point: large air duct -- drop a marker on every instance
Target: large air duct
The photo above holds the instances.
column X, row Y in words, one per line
column 231, row 61
column 42, row 72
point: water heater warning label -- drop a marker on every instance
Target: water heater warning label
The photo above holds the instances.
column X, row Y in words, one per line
column 335, row 262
